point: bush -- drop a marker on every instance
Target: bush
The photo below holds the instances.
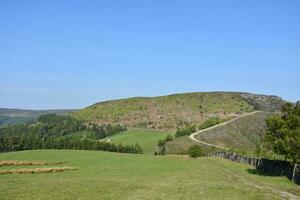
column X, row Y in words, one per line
column 162, row 150
column 161, row 143
column 187, row 130
column 210, row 122
column 169, row 138
column 195, row 151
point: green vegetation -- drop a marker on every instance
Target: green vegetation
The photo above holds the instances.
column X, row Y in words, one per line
column 166, row 112
column 104, row 175
column 195, row 151
column 147, row 139
column 212, row 121
column 61, row 132
column 283, row 132
column 161, row 146
column 186, row 130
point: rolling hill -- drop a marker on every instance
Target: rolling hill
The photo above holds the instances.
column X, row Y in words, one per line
column 168, row 112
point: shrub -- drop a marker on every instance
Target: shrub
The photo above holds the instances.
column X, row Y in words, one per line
column 162, row 150
column 187, row 130
column 161, row 143
column 210, row 122
column 195, row 151
column 169, row 138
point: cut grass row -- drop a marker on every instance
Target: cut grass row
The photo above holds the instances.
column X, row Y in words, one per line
column 37, row 170
column 22, row 163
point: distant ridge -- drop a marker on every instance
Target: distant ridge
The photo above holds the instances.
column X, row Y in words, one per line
column 10, row 116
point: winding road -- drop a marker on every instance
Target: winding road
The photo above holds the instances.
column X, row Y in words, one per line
column 192, row 136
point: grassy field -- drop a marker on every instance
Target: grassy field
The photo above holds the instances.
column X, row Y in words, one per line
column 147, row 139
column 103, row 175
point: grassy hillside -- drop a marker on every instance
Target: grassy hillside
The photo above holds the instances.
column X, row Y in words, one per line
column 147, row 139
column 102, row 175
column 180, row 145
column 19, row 116
column 167, row 112
column 244, row 135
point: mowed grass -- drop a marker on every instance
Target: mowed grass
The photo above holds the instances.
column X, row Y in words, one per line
column 104, row 175
column 147, row 139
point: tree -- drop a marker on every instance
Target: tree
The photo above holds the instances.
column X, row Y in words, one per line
column 161, row 143
column 283, row 133
column 186, row 130
column 169, row 138
column 162, row 150
column 195, row 151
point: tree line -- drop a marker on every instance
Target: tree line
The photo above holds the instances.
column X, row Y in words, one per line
column 52, row 131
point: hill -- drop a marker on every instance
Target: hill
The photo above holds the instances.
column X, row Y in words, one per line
column 103, row 175
column 19, row 116
column 169, row 112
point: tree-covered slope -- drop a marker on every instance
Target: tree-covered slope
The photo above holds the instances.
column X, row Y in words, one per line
column 167, row 112
column 61, row 132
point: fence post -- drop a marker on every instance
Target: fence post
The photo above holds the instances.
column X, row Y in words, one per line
column 294, row 172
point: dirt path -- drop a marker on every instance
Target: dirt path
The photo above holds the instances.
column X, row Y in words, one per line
column 274, row 192
column 192, row 136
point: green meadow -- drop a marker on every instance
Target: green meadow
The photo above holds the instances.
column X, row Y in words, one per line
column 147, row 139
column 104, row 175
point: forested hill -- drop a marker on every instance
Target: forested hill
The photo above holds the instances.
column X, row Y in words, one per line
column 52, row 131
column 168, row 112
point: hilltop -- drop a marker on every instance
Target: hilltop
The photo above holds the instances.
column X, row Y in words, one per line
column 169, row 112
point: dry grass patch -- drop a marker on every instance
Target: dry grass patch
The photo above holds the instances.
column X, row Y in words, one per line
column 37, row 170
column 19, row 163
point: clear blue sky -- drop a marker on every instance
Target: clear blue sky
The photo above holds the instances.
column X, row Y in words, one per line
column 70, row 54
